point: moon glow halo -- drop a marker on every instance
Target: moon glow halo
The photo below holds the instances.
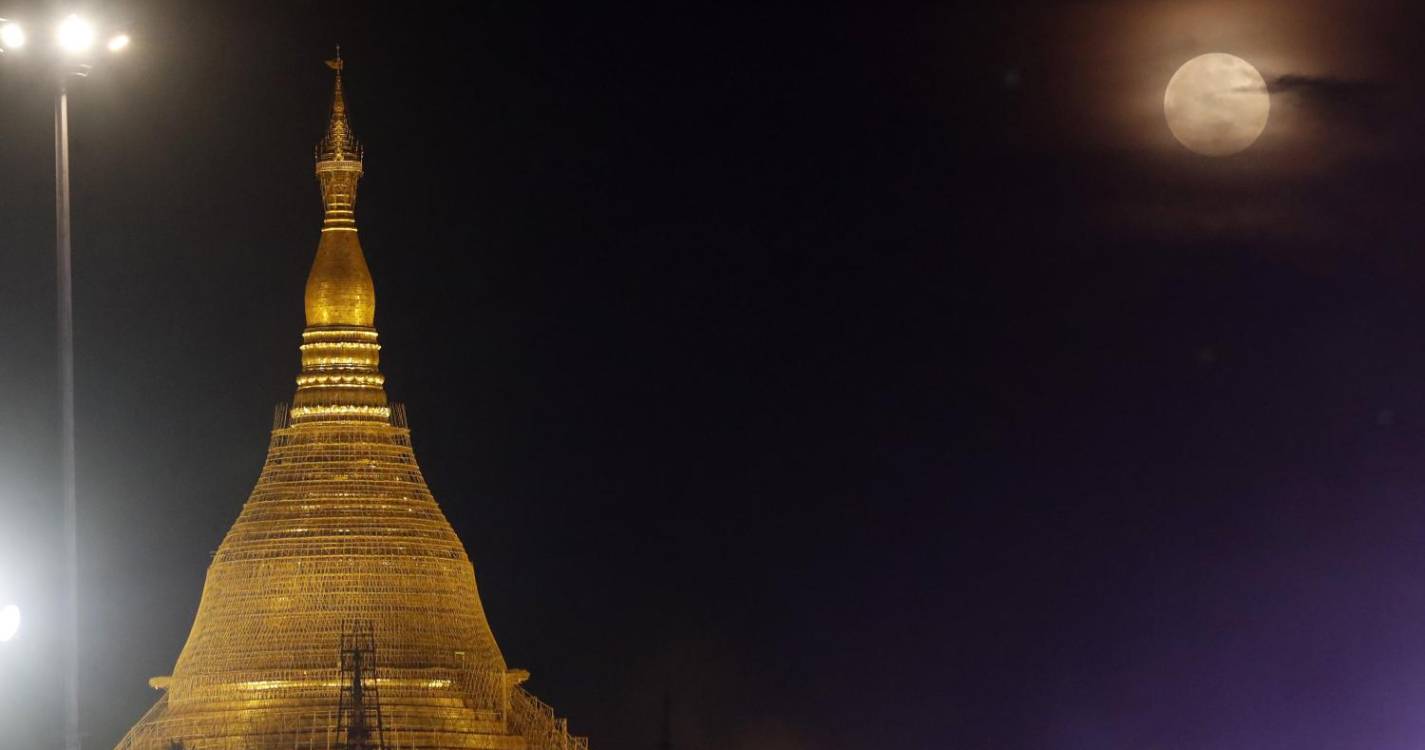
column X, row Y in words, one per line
column 1216, row 104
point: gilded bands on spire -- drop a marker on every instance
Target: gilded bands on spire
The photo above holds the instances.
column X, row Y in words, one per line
column 339, row 366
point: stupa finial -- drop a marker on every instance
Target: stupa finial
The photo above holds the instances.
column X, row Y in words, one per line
column 339, row 289
column 339, row 143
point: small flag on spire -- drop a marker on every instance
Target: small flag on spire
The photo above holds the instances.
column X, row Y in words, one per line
column 335, row 63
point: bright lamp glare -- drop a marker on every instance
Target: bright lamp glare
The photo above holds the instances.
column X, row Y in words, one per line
column 75, row 34
column 11, row 36
column 118, row 43
column 9, row 622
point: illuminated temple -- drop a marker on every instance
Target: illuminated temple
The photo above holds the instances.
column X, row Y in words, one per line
column 342, row 543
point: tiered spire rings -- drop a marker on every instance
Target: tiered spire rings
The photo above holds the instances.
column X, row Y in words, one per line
column 340, row 378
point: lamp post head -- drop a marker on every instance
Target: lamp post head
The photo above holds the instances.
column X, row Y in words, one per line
column 9, row 622
column 12, row 35
column 73, row 48
column 74, row 34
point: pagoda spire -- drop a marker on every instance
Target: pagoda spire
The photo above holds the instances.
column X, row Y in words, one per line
column 339, row 289
column 340, row 376
column 340, row 143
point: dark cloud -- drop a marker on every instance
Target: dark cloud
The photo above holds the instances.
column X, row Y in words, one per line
column 1336, row 88
column 1325, row 88
column 1345, row 94
column 1356, row 100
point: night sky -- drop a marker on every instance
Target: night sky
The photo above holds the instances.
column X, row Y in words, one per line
column 861, row 376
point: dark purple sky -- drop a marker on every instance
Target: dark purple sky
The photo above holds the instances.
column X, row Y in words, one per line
column 865, row 377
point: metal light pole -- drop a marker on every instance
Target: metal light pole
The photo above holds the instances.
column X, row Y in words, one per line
column 70, row 645
column 73, row 40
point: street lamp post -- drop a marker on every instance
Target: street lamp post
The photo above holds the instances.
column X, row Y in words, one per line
column 66, row 417
column 69, row 57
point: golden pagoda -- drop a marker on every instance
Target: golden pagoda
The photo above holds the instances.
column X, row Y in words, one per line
column 341, row 531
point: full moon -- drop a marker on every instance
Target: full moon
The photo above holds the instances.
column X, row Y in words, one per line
column 9, row 622
column 1217, row 104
